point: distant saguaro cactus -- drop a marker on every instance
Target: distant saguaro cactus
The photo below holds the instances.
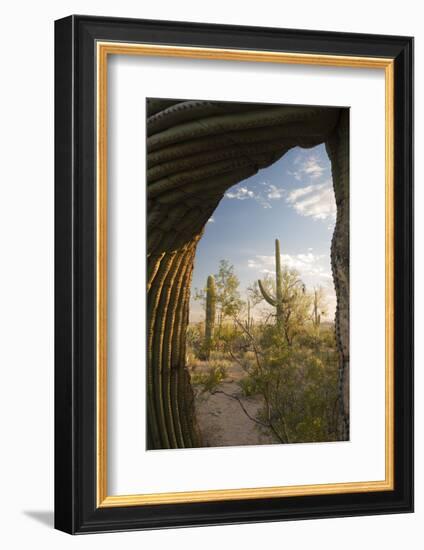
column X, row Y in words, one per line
column 318, row 310
column 210, row 316
column 276, row 301
column 316, row 316
column 249, row 320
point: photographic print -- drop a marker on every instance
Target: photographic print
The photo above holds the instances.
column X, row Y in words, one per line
column 248, row 274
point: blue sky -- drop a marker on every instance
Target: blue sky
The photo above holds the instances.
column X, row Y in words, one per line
column 292, row 200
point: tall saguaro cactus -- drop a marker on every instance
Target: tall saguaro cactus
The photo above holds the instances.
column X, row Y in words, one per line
column 210, row 315
column 316, row 315
column 277, row 301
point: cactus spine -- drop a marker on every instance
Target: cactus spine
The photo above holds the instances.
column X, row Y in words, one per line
column 210, row 316
column 277, row 301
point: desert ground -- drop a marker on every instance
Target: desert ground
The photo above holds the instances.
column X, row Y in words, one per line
column 221, row 418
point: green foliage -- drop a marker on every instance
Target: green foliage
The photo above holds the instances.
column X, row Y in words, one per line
column 299, row 386
column 228, row 303
column 230, row 336
column 248, row 386
column 194, row 338
column 211, row 380
column 228, row 296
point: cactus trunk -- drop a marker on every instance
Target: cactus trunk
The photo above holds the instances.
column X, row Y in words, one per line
column 316, row 315
column 278, row 284
column 249, row 321
column 210, row 316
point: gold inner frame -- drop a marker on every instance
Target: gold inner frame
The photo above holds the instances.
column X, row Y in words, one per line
column 103, row 50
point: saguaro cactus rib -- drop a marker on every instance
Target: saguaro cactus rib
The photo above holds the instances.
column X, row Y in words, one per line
column 162, row 343
column 338, row 151
column 156, row 105
column 185, row 111
column 158, row 172
column 185, row 395
column 155, row 317
column 174, row 358
column 163, row 335
column 294, row 133
column 189, row 193
column 257, row 118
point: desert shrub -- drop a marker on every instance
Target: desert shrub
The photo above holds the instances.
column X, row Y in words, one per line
column 302, row 393
column 298, row 384
column 210, row 380
column 227, row 337
column 249, row 386
column 194, row 339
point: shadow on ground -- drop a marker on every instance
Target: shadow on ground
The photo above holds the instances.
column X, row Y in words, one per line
column 46, row 517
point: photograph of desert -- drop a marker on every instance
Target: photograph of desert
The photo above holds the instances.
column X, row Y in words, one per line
column 248, row 274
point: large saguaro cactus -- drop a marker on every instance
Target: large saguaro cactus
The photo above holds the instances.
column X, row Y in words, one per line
column 277, row 301
column 210, row 316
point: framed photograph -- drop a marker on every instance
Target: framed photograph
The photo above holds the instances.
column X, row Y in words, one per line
column 234, row 274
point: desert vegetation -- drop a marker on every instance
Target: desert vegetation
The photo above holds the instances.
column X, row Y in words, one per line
column 263, row 365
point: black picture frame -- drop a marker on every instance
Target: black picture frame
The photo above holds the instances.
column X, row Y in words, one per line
column 76, row 510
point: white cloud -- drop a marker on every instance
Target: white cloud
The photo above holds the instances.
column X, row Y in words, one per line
column 240, row 193
column 263, row 194
column 211, row 220
column 307, row 264
column 300, row 192
column 309, row 167
column 316, row 201
column 273, row 192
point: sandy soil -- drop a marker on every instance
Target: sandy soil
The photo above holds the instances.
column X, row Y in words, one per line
column 221, row 419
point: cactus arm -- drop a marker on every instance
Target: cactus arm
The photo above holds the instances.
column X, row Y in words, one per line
column 266, row 296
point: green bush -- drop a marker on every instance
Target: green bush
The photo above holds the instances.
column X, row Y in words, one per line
column 194, row 338
column 249, row 386
column 299, row 387
column 211, row 380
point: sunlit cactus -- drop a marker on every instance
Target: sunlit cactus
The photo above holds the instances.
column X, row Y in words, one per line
column 210, row 316
column 277, row 301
